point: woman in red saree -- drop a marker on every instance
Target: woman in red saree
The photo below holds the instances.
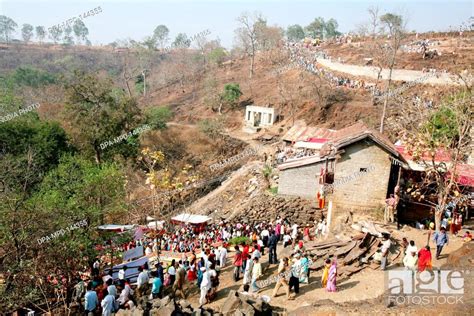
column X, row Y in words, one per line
column 424, row 259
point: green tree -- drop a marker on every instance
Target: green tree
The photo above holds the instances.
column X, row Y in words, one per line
column 27, row 32
column 330, row 28
column 95, row 116
column 40, row 33
column 7, row 27
column 67, row 38
column 427, row 131
column 80, row 30
column 316, row 28
column 181, row 41
column 77, row 191
column 55, row 34
column 32, row 77
column 295, row 33
column 230, row 96
column 149, row 42
column 160, row 34
column 158, row 116
column 217, row 56
column 393, row 22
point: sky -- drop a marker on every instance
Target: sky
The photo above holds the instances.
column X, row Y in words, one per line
column 137, row 19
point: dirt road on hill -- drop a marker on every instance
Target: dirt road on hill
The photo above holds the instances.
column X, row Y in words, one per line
column 397, row 74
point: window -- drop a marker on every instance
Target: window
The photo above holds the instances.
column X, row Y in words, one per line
column 269, row 118
column 363, row 170
column 248, row 115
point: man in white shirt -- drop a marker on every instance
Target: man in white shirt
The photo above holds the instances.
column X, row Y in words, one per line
column 205, row 286
column 142, row 282
column 95, row 267
column 121, row 273
column 148, row 250
column 411, row 248
column 223, row 257
column 124, row 294
column 265, row 233
column 294, row 231
column 107, row 277
column 385, row 250
column 286, row 240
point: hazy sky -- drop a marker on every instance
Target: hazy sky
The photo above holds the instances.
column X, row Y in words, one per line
column 138, row 18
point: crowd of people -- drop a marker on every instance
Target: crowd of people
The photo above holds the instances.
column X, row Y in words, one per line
column 99, row 292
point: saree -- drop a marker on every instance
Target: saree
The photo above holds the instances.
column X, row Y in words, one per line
column 304, row 270
column 424, row 260
column 324, row 278
column 331, row 285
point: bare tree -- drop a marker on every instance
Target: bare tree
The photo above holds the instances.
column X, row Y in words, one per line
column 374, row 22
column 247, row 36
column 396, row 28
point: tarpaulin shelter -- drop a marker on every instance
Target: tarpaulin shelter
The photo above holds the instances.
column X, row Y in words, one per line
column 198, row 221
column 115, row 228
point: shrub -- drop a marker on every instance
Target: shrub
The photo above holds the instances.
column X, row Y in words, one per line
column 239, row 240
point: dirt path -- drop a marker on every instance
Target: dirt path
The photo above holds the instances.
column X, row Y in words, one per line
column 397, row 74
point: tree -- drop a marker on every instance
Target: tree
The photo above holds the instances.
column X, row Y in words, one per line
column 230, row 96
column 158, row 116
column 40, row 33
column 247, row 36
column 149, row 42
column 268, row 37
column 426, row 132
column 67, row 38
column 295, row 33
column 374, row 20
column 27, row 32
column 77, row 191
column 181, row 41
column 160, row 35
column 217, row 55
column 96, row 116
column 80, row 30
column 55, row 34
column 395, row 25
column 330, row 28
column 316, row 28
column 7, row 27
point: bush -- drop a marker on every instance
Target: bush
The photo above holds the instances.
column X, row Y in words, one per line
column 239, row 240
column 267, row 171
column 211, row 128
column 273, row 190
column 158, row 116
column 27, row 76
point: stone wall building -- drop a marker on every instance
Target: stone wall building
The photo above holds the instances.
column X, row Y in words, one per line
column 354, row 166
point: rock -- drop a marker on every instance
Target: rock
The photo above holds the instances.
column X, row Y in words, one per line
column 231, row 303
